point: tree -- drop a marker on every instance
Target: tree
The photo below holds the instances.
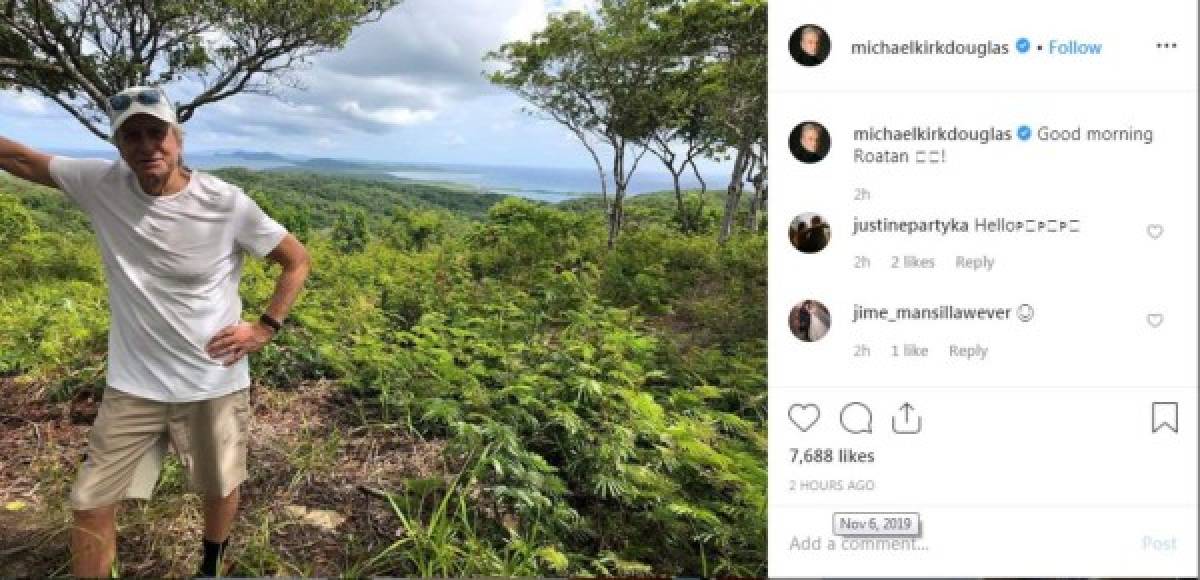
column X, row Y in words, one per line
column 592, row 75
column 77, row 53
column 680, row 114
column 350, row 233
column 413, row 229
column 734, row 83
column 680, row 118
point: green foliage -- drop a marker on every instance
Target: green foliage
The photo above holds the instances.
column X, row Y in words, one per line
column 318, row 197
column 415, row 229
column 654, row 266
column 350, row 231
column 16, row 223
column 527, row 242
column 295, row 219
column 52, row 327
column 53, row 307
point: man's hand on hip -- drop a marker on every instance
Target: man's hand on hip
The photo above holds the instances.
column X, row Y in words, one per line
column 237, row 340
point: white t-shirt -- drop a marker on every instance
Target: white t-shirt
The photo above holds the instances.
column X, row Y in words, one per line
column 173, row 265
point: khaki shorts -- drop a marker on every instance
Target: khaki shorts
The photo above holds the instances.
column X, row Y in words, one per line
column 129, row 441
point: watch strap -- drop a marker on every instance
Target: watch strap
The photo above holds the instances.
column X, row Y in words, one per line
column 274, row 324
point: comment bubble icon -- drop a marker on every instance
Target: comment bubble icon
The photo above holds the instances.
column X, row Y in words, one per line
column 856, row 418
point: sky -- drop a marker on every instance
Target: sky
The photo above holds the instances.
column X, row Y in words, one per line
column 409, row 87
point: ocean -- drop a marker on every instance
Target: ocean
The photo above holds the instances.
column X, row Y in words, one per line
column 546, row 184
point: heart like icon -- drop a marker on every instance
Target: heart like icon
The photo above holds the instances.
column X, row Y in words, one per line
column 1155, row 231
column 1154, row 320
column 804, row 415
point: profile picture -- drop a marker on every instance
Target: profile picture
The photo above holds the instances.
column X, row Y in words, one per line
column 809, row 321
column 809, row 142
column 809, row 233
column 809, row 45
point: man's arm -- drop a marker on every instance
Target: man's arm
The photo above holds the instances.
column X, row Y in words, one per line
column 26, row 163
column 234, row 342
column 291, row 255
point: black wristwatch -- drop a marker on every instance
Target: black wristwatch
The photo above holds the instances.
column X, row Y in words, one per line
column 274, row 324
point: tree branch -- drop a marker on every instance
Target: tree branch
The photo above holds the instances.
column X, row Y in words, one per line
column 246, row 68
column 636, row 160
column 87, row 122
column 67, row 63
column 17, row 64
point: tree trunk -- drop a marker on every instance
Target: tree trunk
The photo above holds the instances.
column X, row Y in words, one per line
column 760, row 192
column 685, row 225
column 762, row 202
column 755, row 205
column 603, row 179
column 700, row 178
column 661, row 148
column 733, row 195
column 699, row 215
column 752, row 213
column 599, row 166
column 617, row 217
column 616, row 212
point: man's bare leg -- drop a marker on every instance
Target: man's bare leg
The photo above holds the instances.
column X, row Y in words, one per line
column 218, row 516
column 218, row 520
column 94, row 542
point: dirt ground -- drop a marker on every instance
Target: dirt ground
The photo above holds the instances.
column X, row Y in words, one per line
column 311, row 505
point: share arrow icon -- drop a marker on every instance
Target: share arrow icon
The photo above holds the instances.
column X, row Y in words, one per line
column 906, row 421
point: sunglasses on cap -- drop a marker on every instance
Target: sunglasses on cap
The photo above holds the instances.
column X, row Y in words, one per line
column 148, row 97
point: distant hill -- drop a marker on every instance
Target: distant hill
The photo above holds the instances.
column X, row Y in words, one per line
column 325, row 163
column 253, row 156
column 322, row 196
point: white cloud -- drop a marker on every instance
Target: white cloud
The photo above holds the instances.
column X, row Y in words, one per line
column 422, row 61
column 24, row 103
column 556, row 6
column 437, row 43
column 528, row 18
column 398, row 116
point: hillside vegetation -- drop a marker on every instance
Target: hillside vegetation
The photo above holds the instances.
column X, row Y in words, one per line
column 593, row 411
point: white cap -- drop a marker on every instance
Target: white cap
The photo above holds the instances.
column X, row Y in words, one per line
column 140, row 100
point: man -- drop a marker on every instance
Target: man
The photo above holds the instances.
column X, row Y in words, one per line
column 799, row 232
column 172, row 240
column 808, row 142
column 818, row 235
column 808, row 45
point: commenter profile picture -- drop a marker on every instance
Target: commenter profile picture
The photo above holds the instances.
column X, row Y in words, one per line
column 809, row 45
column 809, row 233
column 809, row 321
column 809, row 142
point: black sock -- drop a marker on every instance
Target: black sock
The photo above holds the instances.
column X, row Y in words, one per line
column 212, row 555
